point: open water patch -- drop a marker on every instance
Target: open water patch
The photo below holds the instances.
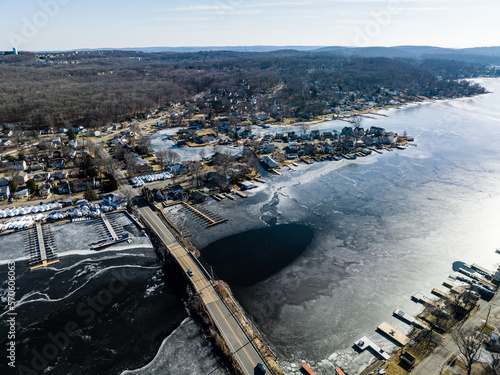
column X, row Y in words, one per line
column 246, row 258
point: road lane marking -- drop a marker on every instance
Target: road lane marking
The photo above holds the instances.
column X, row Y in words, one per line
column 234, row 334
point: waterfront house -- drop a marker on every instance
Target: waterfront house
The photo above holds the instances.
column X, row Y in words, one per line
column 246, row 185
column 178, row 168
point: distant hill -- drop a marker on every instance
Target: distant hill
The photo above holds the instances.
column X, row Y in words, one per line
column 481, row 55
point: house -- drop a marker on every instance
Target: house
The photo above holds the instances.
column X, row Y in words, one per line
column 5, row 143
column 374, row 130
column 78, row 185
column 4, row 192
column 60, row 175
column 19, row 165
column 21, row 193
column 268, row 148
column 144, row 168
column 178, row 168
column 199, row 196
column 96, row 133
column 63, row 187
column 346, row 131
column 73, row 143
column 21, row 178
column 4, row 181
column 108, row 128
column 37, row 167
column 245, row 185
column 140, row 161
column 113, row 199
column 57, row 163
column 44, row 189
column 39, row 177
column 270, row 162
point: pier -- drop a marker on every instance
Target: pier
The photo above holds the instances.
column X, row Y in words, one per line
column 365, row 343
column 440, row 293
column 110, row 229
column 419, row 297
column 208, row 218
column 239, row 193
column 393, row 334
column 307, row 369
column 408, row 318
column 41, row 247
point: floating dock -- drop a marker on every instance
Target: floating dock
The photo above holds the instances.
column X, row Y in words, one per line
column 408, row 318
column 365, row 343
column 419, row 297
column 260, row 180
column 393, row 334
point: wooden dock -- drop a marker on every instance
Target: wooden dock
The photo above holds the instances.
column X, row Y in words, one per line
column 440, row 293
column 207, row 217
column 338, row 371
column 239, row 193
column 37, row 247
column 419, row 297
column 307, row 161
column 393, row 334
column 408, row 318
column 454, row 288
column 110, row 229
column 365, row 343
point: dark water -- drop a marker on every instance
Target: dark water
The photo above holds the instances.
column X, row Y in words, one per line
column 94, row 315
column 246, row 258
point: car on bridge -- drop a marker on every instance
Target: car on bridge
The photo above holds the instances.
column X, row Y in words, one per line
column 190, row 272
column 260, row 368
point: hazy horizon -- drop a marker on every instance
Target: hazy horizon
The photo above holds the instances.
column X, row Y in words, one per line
column 63, row 25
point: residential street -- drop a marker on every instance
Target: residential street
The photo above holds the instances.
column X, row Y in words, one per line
column 437, row 360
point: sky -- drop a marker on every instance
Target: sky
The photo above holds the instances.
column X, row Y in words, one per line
column 49, row 25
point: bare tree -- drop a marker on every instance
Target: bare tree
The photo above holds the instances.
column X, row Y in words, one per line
column 161, row 158
column 172, row 157
column 202, row 154
column 357, row 121
column 130, row 160
column 469, row 341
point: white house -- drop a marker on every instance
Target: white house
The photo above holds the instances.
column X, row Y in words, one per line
column 270, row 162
column 4, row 192
column 21, row 193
